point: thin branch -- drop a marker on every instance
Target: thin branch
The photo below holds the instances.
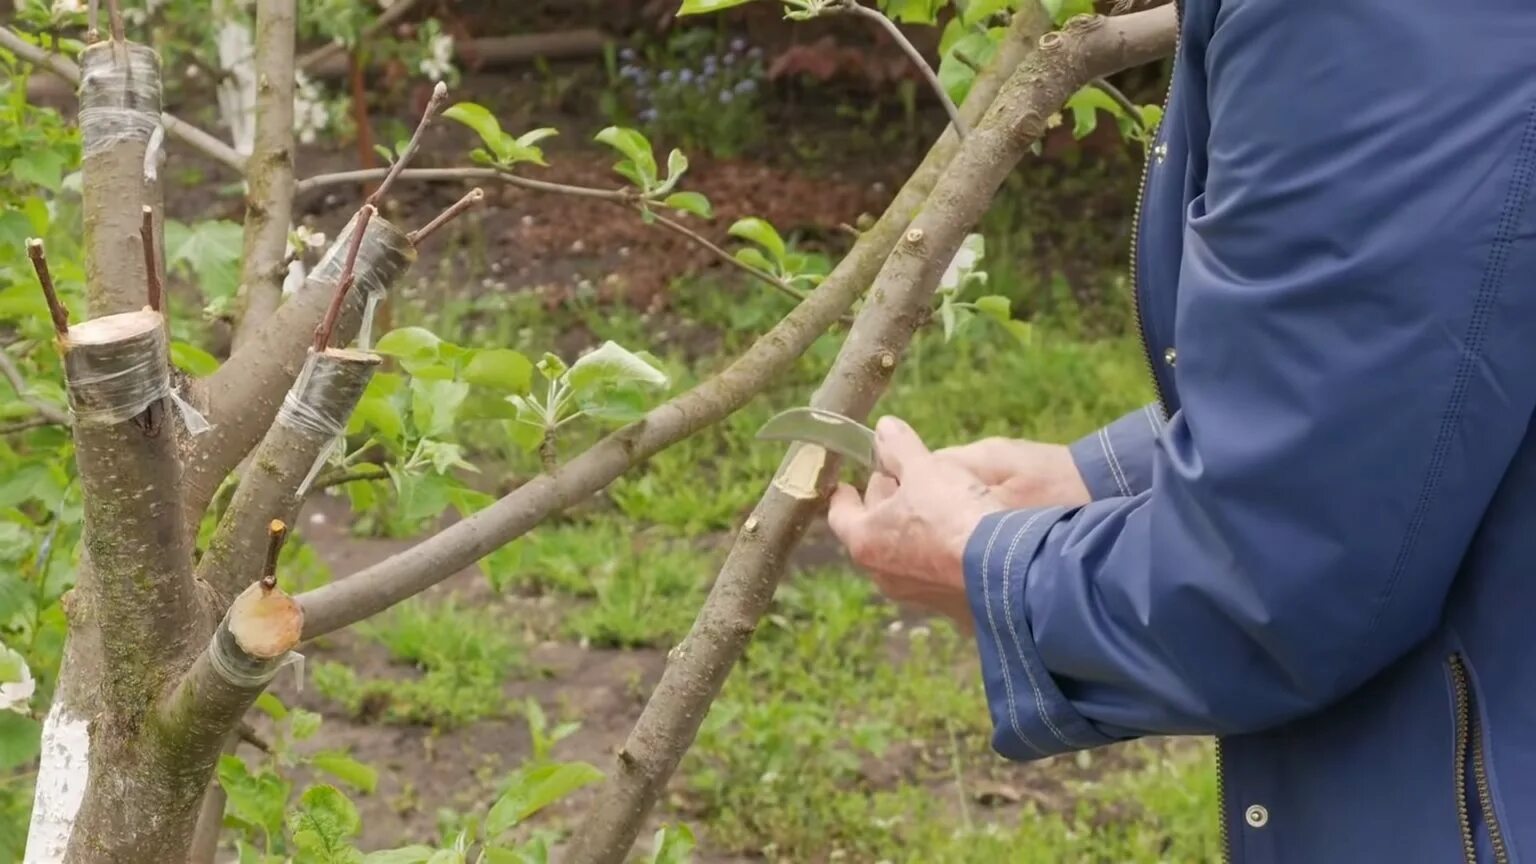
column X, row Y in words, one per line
column 853, row 7
column 115, row 14
column 328, row 324
column 269, row 176
column 151, row 269
column 767, row 278
column 340, row 478
column 1125, row 102
column 66, row 69
column 277, row 532
column 24, row 425
column 473, row 197
column 56, row 309
column 365, row 175
column 45, row 412
column 92, row 21
column 397, row 10
column 439, row 93
column 249, row 735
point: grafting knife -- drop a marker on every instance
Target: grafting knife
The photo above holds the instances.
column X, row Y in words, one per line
column 842, row 435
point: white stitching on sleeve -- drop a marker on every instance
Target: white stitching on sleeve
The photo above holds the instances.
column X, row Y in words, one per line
column 1017, row 642
column 986, row 599
column 1114, row 462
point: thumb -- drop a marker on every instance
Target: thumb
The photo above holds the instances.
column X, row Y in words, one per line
column 898, row 446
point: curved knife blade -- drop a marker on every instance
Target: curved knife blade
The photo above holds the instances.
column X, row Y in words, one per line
column 842, row 435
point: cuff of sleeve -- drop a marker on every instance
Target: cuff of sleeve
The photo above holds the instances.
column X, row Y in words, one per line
column 1031, row 718
column 1116, row 461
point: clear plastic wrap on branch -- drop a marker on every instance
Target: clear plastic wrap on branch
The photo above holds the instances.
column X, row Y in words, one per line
column 385, row 254
column 256, row 637
column 119, row 94
column 323, row 396
column 117, row 366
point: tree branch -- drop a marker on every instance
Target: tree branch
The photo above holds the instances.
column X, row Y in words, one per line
column 374, row 589
column 424, row 175
column 269, row 181
column 318, row 57
column 766, row 278
column 354, row 475
column 242, row 397
column 900, row 298
column 852, row 7
column 470, row 199
column 1126, row 104
column 314, row 413
column 435, row 102
column 64, row 68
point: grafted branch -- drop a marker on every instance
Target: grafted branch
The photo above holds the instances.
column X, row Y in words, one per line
column 269, row 170
column 376, row 588
column 853, row 7
column 242, row 397
column 898, row 302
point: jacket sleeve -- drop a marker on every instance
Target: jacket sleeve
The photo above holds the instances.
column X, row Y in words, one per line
column 1116, row 460
column 1354, row 324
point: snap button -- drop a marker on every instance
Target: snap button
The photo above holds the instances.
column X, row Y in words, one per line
column 1161, row 152
column 1170, row 356
column 1257, row 816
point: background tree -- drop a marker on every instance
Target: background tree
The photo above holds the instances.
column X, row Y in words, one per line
column 189, row 483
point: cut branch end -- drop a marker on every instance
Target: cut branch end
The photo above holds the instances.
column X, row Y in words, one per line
column 277, row 532
column 475, row 196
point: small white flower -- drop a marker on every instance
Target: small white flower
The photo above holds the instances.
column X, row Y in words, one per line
column 317, row 518
column 895, row 627
column 769, row 777
column 67, row 7
column 439, row 60
column 16, row 693
column 309, row 237
column 295, row 278
column 310, row 116
column 966, row 259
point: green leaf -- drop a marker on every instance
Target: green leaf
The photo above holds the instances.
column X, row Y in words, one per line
column 753, row 258
column 956, row 74
column 303, row 724
column 977, row 11
column 435, row 405
column 412, row 343
column 210, row 251
column 613, row 364
column 404, row 855
column 324, row 826
column 21, row 739
column 485, row 124
column 1085, row 105
column 677, row 166
column 673, row 845
column 255, row 799
column 446, row 856
column 913, row 11
column 500, row 368
column 759, row 231
column 994, row 306
column 1061, row 10
column 192, row 359
column 637, row 148
column 347, row 770
column 42, row 166
column 702, row 7
column 551, row 366
column 690, row 202
column 531, row 139
column 272, row 706
column 533, row 789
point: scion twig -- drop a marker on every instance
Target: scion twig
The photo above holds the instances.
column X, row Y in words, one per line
column 277, row 532
column 852, row 7
column 92, row 18
column 115, row 13
column 328, row 324
column 55, row 308
column 151, row 271
column 475, row 196
column 439, row 93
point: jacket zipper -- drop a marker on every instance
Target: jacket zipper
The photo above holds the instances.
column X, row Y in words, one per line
column 1146, row 351
column 1141, row 193
column 1469, row 744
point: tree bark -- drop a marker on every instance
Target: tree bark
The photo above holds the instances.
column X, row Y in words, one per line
column 269, row 170
column 899, row 301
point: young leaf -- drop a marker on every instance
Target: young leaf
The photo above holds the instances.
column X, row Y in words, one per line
column 551, row 366
column 20, row 739
column 410, row 343
column 272, row 706
column 500, row 368
column 612, row 364
column 701, row 7
column 1085, row 105
column 637, row 149
column 534, row 789
column 255, row 799
column 957, row 67
column 435, row 405
column 192, row 359
column 347, row 770
column 673, row 845
column 999, row 308
column 763, row 234
column 304, row 724
column 690, row 202
column 677, row 166
column 324, row 825
column 753, row 258
column 485, row 124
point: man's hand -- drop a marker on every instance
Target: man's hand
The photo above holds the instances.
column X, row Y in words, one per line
column 911, row 526
column 1022, row 473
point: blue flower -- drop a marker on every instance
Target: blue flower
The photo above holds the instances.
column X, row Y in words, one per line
column 627, row 55
column 746, row 86
column 665, row 77
column 709, row 63
column 649, row 115
column 685, row 76
column 628, row 72
column 725, row 96
column 738, row 44
column 729, row 59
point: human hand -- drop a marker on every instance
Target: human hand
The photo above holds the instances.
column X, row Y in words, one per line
column 910, row 527
column 1022, row 473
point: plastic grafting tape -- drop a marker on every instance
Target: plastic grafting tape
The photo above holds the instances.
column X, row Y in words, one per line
column 116, row 366
column 119, row 94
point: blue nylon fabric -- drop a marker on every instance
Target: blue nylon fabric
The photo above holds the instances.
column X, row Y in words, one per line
column 1339, row 240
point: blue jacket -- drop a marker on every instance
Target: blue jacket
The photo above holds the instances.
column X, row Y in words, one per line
column 1319, row 546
